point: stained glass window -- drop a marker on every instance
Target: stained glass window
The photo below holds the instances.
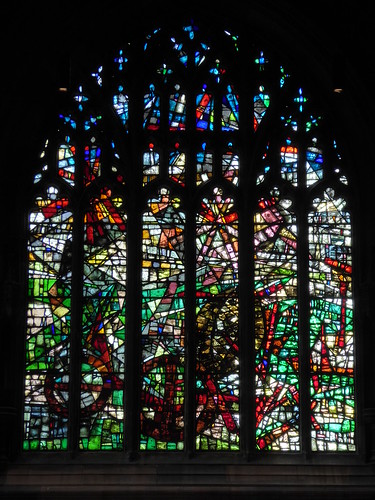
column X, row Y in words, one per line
column 190, row 260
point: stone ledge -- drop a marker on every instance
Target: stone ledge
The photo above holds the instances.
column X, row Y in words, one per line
column 187, row 481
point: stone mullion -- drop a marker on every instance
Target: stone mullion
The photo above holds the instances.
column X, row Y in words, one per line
column 303, row 289
column 135, row 206
column 246, row 199
column 192, row 141
column 76, row 292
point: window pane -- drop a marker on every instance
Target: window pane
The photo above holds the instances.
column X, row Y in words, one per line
column 331, row 325
column 48, row 324
column 66, row 163
column 217, row 378
column 151, row 112
column 177, row 110
column 230, row 165
column 151, row 164
column 205, row 110
column 276, row 326
column 163, row 316
column 176, row 165
column 103, row 324
column 261, row 104
column 204, row 164
column 121, row 106
column 230, row 117
column 314, row 164
column 289, row 163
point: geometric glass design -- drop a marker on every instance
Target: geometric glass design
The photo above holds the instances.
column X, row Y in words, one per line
column 66, row 163
column 289, row 163
column 204, row 165
column 217, row 343
column 48, row 323
column 177, row 165
column 121, row 106
column 103, row 324
column 230, row 119
column 314, row 165
column 139, row 190
column 151, row 114
column 151, row 164
column 177, row 111
column 261, row 104
column 331, row 325
column 205, row 110
column 276, row 326
column 230, row 165
column 163, row 313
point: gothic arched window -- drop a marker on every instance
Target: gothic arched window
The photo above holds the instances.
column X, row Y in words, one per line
column 190, row 259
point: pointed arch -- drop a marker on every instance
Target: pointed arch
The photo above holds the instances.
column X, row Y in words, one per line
column 168, row 173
